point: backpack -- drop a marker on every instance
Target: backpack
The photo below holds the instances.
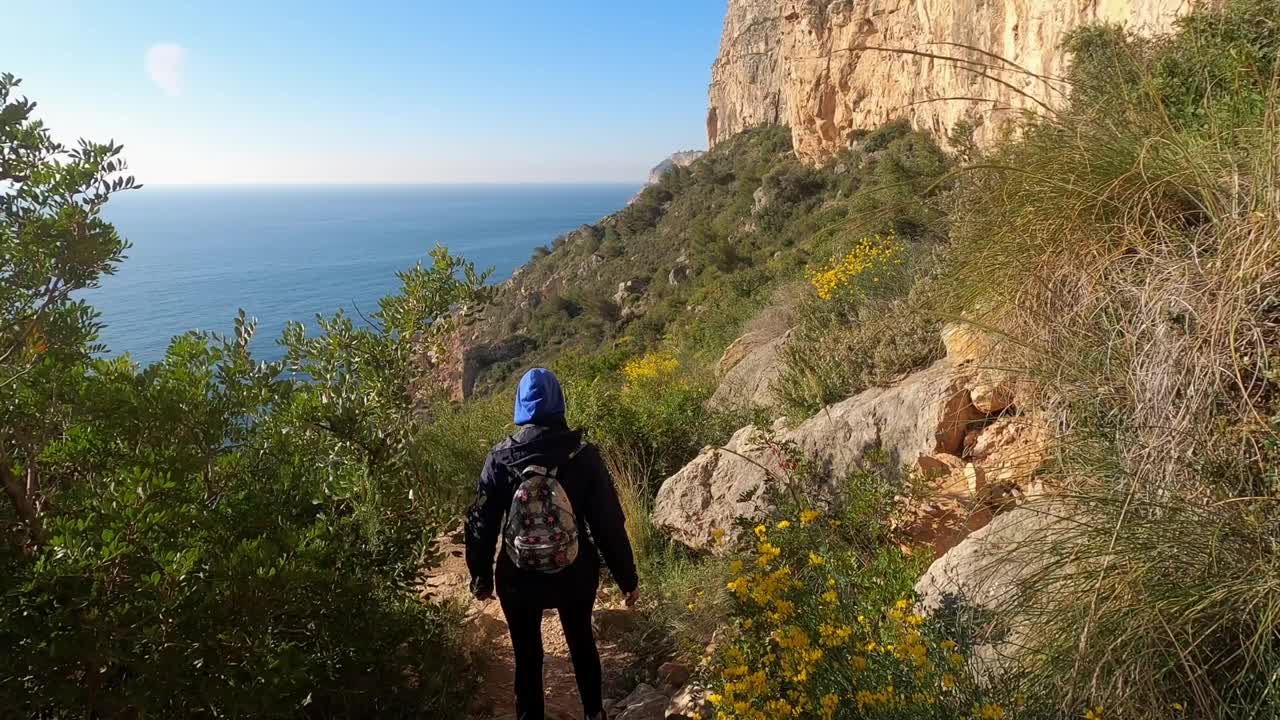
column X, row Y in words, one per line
column 541, row 532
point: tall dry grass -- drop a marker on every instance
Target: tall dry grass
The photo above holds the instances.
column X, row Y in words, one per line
column 630, row 477
column 1127, row 252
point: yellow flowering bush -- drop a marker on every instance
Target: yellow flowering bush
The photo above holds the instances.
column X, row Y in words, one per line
column 650, row 366
column 870, row 258
column 825, row 628
column 822, row 622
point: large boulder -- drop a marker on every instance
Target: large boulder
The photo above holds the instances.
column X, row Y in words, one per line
column 712, row 492
column 749, row 367
column 977, row 583
column 983, row 570
column 926, row 413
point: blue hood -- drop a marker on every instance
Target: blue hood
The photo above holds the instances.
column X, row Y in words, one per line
column 539, row 398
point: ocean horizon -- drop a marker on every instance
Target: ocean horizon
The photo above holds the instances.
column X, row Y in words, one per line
column 287, row 252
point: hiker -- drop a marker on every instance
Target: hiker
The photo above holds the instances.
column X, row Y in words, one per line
column 547, row 493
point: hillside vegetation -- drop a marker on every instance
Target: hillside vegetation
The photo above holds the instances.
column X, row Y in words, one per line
column 214, row 536
column 1123, row 255
column 695, row 256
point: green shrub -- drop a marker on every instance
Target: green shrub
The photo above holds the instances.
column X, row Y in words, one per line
column 745, row 220
column 224, row 543
column 865, row 324
column 451, row 449
column 648, row 414
column 210, row 536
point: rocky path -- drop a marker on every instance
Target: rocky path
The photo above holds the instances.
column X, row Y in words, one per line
column 489, row 646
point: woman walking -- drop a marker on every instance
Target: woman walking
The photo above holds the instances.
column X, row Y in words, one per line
column 547, row 493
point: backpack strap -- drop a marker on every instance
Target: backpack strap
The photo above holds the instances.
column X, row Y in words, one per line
column 551, row 470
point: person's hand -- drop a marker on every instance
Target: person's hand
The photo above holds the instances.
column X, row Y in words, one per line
column 633, row 597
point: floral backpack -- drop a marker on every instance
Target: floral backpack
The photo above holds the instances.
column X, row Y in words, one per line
column 542, row 532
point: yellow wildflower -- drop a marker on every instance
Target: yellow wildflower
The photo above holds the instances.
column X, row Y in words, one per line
column 768, row 552
column 815, row 559
column 988, row 712
column 650, row 366
column 784, row 524
column 870, row 253
column 1094, row 713
column 830, row 703
column 808, row 516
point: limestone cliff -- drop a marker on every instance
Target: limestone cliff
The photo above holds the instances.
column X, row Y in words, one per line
column 828, row 67
column 681, row 159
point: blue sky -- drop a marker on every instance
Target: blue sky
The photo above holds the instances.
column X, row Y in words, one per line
column 360, row 92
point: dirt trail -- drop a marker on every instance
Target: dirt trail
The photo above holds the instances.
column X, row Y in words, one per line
column 489, row 645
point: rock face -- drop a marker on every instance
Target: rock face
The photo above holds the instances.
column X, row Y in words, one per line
column 748, row 368
column 976, row 571
column 973, row 463
column 683, row 158
column 829, row 67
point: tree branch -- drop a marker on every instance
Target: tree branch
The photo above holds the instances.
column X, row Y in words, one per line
column 23, row 503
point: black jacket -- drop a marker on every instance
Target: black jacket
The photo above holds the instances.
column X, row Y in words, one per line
column 593, row 496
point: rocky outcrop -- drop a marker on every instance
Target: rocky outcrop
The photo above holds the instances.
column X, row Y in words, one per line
column 928, row 412
column 829, row 67
column 630, row 297
column 464, row 355
column 974, row 463
column 684, row 158
column 976, row 572
column 748, row 369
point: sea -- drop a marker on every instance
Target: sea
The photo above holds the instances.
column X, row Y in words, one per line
column 199, row 254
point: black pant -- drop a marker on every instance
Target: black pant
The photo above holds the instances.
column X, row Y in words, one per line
column 524, row 619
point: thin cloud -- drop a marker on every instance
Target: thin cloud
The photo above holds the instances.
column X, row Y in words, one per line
column 166, row 65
